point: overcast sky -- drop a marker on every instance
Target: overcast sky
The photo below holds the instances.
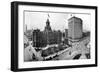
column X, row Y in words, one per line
column 58, row 21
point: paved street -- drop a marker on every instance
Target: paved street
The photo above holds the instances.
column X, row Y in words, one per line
column 66, row 54
column 77, row 48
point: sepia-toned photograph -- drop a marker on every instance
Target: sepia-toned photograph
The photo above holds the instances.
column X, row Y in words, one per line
column 52, row 36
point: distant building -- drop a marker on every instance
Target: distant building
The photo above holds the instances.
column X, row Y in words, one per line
column 37, row 39
column 75, row 30
column 59, row 37
column 66, row 36
column 66, row 33
column 26, row 41
column 25, row 28
column 28, row 34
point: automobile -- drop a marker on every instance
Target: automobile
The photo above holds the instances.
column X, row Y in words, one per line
column 77, row 56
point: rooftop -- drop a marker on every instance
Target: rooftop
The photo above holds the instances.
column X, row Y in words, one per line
column 74, row 17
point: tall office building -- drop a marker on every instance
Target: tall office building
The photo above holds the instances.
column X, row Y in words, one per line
column 75, row 30
column 38, row 38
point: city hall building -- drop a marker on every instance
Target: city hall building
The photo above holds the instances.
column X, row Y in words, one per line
column 46, row 37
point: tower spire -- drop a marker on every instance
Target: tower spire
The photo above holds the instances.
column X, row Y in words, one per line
column 48, row 22
column 48, row 27
column 48, row 16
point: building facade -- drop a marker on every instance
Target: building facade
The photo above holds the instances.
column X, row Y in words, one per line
column 75, row 29
column 66, row 36
column 38, row 39
column 46, row 37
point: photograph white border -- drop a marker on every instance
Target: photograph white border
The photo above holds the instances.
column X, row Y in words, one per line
column 22, row 64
